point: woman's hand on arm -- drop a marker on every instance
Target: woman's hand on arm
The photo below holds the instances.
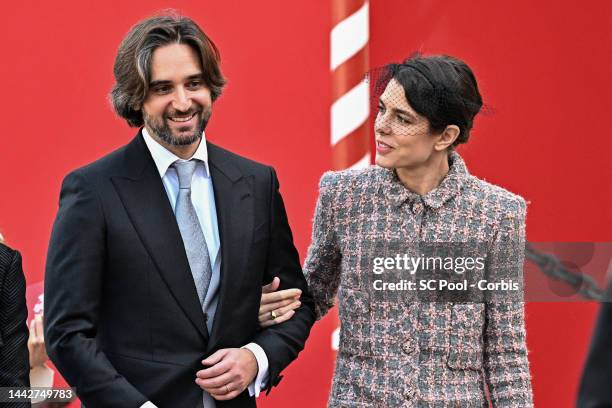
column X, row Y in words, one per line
column 277, row 306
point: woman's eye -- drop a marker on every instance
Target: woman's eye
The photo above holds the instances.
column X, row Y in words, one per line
column 403, row 120
column 381, row 108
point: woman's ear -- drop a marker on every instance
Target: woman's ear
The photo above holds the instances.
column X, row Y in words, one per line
column 447, row 137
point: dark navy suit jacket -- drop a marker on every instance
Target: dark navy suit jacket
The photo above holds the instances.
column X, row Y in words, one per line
column 123, row 321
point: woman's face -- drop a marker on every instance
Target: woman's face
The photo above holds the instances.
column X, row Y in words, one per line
column 403, row 139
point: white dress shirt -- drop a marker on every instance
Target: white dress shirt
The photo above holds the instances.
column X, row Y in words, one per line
column 203, row 200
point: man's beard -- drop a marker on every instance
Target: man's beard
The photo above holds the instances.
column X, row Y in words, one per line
column 162, row 130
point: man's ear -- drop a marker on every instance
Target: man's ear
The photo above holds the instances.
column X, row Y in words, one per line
column 447, row 137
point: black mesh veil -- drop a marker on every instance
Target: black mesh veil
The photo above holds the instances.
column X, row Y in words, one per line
column 432, row 91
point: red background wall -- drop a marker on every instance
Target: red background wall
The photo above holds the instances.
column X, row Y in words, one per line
column 542, row 66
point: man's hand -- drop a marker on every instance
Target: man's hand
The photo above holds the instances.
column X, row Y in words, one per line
column 230, row 373
column 277, row 307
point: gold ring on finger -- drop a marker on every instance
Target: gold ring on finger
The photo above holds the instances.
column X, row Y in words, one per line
column 227, row 388
column 273, row 314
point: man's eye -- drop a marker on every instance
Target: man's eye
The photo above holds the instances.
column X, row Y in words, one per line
column 161, row 89
column 194, row 84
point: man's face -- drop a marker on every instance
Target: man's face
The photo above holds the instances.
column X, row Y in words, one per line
column 178, row 104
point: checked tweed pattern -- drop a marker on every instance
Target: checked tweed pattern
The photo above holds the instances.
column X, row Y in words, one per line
column 418, row 354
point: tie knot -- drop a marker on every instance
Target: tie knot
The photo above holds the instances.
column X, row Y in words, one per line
column 185, row 171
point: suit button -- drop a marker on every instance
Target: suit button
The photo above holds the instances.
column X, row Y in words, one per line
column 409, row 348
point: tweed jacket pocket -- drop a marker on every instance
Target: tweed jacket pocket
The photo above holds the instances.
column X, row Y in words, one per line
column 465, row 341
column 355, row 332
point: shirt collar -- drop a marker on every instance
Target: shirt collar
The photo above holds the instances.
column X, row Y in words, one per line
column 164, row 158
column 448, row 188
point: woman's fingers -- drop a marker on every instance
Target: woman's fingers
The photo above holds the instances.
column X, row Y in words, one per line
column 36, row 329
column 272, row 286
column 280, row 311
column 266, row 308
column 278, row 320
column 266, row 314
column 32, row 336
column 286, row 309
column 281, row 302
column 40, row 333
column 267, row 298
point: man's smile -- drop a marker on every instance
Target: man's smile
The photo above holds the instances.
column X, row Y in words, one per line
column 182, row 119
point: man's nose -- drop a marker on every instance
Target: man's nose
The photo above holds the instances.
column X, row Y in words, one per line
column 181, row 101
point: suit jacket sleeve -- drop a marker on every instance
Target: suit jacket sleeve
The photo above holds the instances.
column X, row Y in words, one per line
column 283, row 342
column 73, row 293
column 505, row 355
column 322, row 265
column 14, row 363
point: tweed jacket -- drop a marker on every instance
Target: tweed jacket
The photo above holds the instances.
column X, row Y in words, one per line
column 417, row 354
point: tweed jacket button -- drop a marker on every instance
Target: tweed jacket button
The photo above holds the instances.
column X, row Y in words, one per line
column 408, row 348
column 409, row 393
column 417, row 207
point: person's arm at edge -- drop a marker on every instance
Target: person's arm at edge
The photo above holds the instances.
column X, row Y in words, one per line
column 14, row 361
column 322, row 264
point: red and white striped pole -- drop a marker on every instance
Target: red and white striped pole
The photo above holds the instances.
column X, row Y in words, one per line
column 350, row 93
column 350, row 110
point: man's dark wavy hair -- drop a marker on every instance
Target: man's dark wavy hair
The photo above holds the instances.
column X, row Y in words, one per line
column 132, row 67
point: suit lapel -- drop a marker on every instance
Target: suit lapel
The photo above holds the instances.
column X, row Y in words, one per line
column 234, row 204
column 144, row 197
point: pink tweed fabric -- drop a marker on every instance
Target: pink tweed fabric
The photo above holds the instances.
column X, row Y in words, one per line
column 418, row 354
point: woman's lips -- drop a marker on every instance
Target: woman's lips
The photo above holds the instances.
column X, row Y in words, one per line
column 383, row 148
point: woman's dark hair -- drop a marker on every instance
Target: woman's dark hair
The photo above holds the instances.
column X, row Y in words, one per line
column 132, row 67
column 441, row 88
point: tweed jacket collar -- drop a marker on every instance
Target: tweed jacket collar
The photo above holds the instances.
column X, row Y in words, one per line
column 450, row 186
